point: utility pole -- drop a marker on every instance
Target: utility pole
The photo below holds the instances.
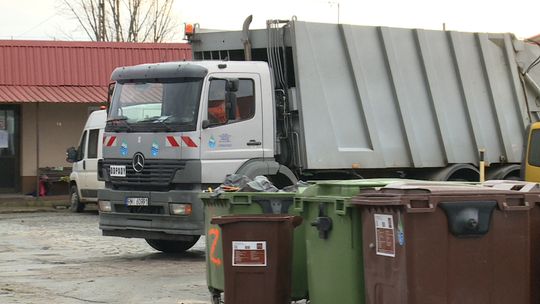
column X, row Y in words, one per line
column 117, row 18
column 101, row 20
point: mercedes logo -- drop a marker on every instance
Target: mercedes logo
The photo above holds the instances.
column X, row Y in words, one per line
column 138, row 162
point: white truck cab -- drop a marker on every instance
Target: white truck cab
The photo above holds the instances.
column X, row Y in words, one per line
column 84, row 184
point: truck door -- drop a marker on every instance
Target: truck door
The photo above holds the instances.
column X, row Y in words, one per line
column 79, row 165
column 232, row 132
column 89, row 189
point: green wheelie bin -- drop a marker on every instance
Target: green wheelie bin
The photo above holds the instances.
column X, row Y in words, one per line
column 252, row 203
column 334, row 239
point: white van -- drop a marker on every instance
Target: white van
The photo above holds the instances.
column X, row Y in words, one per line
column 83, row 178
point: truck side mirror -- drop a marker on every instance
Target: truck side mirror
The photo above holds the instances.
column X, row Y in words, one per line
column 205, row 124
column 110, row 91
column 71, row 155
column 231, row 87
column 230, row 105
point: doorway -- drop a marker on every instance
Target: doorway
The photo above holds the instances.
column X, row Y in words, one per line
column 9, row 149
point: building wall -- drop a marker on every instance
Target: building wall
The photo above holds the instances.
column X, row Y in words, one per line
column 60, row 127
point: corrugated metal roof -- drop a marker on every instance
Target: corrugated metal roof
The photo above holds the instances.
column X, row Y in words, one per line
column 64, row 71
column 74, row 94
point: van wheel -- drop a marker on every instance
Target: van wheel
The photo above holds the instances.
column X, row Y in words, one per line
column 75, row 202
column 172, row 246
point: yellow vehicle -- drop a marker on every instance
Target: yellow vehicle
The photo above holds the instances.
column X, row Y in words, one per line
column 531, row 164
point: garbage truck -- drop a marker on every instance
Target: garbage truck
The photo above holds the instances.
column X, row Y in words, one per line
column 302, row 100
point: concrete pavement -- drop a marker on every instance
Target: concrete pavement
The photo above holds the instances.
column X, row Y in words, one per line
column 17, row 203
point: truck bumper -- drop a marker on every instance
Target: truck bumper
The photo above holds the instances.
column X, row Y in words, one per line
column 153, row 221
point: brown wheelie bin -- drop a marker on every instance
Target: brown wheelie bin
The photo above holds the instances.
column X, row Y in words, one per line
column 257, row 256
column 533, row 189
column 445, row 244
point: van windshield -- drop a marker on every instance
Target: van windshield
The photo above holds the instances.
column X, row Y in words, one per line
column 155, row 105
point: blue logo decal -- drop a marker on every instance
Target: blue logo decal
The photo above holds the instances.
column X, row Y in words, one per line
column 155, row 149
column 124, row 148
column 212, row 142
column 225, row 141
column 401, row 238
column 400, row 233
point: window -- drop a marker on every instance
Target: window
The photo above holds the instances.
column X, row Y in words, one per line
column 82, row 147
column 158, row 105
column 534, row 149
column 240, row 108
column 93, row 138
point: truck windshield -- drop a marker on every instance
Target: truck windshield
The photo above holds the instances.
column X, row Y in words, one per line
column 155, row 105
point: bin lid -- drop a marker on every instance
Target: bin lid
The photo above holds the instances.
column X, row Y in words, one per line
column 231, row 195
column 418, row 197
column 345, row 188
column 521, row 186
column 256, row 218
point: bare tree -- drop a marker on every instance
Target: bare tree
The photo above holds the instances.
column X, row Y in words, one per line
column 124, row 20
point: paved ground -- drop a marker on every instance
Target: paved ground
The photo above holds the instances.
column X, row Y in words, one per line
column 61, row 257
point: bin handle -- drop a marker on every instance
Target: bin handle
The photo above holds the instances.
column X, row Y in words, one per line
column 526, row 206
column 412, row 209
column 298, row 204
column 340, row 207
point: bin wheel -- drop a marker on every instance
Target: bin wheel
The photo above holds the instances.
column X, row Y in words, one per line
column 74, row 200
column 216, row 299
column 172, row 246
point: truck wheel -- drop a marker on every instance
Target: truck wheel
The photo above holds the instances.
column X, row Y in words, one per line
column 75, row 202
column 172, row 246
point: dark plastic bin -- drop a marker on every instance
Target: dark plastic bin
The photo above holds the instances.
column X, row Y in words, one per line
column 257, row 253
column 533, row 189
column 445, row 244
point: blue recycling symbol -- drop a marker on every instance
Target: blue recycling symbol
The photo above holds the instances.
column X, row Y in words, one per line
column 212, row 142
column 155, row 149
column 123, row 149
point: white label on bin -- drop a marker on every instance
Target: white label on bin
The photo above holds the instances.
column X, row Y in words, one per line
column 249, row 253
column 384, row 235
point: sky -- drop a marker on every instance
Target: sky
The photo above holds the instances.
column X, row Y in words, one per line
column 44, row 19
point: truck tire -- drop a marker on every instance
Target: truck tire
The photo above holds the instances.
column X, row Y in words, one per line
column 74, row 200
column 280, row 180
column 172, row 246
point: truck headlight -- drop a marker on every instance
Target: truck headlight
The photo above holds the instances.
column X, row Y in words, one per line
column 104, row 206
column 180, row 209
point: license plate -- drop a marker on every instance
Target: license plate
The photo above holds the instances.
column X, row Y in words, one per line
column 137, row 201
column 118, row 171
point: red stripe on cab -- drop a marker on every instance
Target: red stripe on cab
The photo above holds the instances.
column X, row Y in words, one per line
column 111, row 141
column 173, row 141
column 189, row 142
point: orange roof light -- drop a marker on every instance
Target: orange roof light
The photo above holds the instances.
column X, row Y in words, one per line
column 189, row 29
